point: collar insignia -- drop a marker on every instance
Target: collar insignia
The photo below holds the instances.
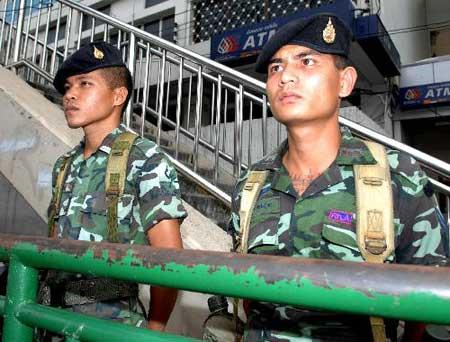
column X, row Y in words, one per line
column 329, row 33
column 98, row 54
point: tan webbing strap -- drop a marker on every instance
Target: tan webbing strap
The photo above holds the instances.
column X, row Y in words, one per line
column 375, row 217
column 250, row 192
column 115, row 179
column 55, row 203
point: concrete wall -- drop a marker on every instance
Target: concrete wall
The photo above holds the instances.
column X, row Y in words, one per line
column 33, row 134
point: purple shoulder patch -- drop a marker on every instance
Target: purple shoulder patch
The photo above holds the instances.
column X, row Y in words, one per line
column 340, row 216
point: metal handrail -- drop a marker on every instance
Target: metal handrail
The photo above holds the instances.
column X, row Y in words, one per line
column 373, row 289
column 216, row 94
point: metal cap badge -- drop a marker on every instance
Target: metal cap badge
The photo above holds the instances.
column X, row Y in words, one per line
column 98, row 54
column 329, row 33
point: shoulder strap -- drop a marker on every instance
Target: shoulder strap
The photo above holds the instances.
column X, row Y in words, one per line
column 55, row 202
column 115, row 179
column 252, row 188
column 375, row 217
column 250, row 193
column 374, row 205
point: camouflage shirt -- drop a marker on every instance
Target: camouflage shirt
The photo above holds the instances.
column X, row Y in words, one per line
column 151, row 193
column 321, row 223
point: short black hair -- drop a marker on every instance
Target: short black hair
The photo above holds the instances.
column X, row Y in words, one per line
column 341, row 62
column 117, row 77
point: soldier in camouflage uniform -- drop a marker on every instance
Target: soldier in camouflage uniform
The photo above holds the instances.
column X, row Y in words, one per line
column 97, row 86
column 307, row 207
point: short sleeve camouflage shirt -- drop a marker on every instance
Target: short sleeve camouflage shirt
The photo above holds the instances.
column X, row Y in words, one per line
column 322, row 222
column 151, row 193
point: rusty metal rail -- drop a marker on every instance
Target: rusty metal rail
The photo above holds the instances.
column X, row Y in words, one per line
column 396, row 291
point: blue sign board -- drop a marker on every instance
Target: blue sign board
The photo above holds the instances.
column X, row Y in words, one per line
column 425, row 95
column 249, row 40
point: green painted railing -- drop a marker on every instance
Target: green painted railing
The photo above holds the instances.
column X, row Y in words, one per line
column 398, row 291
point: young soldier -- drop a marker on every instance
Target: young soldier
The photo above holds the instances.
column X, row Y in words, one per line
column 90, row 204
column 307, row 205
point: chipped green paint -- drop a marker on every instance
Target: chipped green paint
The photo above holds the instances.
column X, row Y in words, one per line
column 379, row 290
column 78, row 328
column 248, row 283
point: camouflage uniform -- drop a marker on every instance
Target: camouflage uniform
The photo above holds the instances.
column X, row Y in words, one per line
column 151, row 194
column 321, row 223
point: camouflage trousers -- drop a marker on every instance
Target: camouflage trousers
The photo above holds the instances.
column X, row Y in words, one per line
column 302, row 325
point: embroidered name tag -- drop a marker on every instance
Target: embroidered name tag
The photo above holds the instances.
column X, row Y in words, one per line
column 340, row 216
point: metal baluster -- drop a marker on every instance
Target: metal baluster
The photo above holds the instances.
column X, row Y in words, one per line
column 67, row 34
column 250, row 123
column 189, row 103
column 238, row 130
column 264, row 124
column 217, row 127
column 44, row 47
column 168, row 89
column 19, row 29
column 3, row 25
column 131, row 67
column 80, row 30
column 158, row 85
column 161, row 96
column 139, row 74
column 105, row 33
column 10, row 32
column 36, row 33
column 178, row 110
column 213, row 100
column 145, row 90
column 55, row 48
column 119, row 38
column 92, row 28
column 198, row 114
column 27, row 31
column 225, row 118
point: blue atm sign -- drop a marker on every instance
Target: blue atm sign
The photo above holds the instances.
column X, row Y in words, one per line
column 425, row 95
column 249, row 40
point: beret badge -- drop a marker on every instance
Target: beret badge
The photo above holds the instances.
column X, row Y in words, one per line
column 98, row 54
column 329, row 33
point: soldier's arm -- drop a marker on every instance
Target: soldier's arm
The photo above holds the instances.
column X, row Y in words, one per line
column 165, row 234
column 161, row 211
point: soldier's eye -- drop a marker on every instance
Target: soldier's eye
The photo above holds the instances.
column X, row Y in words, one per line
column 307, row 61
column 274, row 68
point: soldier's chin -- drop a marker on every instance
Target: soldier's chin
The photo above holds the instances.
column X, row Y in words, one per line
column 74, row 125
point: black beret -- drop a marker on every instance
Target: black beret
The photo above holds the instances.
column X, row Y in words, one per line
column 88, row 58
column 324, row 32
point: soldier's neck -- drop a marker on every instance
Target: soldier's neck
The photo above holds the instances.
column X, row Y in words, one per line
column 312, row 149
column 94, row 135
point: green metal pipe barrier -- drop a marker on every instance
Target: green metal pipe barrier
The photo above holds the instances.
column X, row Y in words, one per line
column 386, row 290
column 80, row 328
column 21, row 288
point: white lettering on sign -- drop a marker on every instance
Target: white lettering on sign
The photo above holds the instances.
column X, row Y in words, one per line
column 258, row 40
column 249, row 43
column 438, row 92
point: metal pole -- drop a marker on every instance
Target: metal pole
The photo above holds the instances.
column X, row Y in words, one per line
column 160, row 96
column 11, row 26
column 84, row 328
column 355, row 287
column 198, row 114
column 217, row 127
column 178, row 109
column 131, row 63
column 21, row 288
column 19, row 30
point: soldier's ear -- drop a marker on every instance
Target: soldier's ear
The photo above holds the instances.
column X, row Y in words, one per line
column 348, row 78
column 120, row 96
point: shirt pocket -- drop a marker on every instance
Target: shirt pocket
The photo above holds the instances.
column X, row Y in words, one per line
column 264, row 225
column 339, row 233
